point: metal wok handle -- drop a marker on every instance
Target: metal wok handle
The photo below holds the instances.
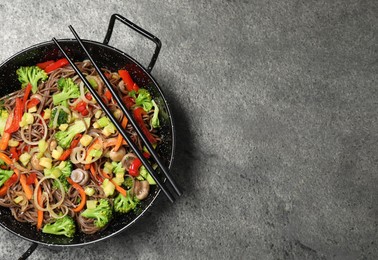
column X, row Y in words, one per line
column 137, row 29
column 29, row 251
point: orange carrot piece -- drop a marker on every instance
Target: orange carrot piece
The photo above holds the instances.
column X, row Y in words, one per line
column 92, row 169
column 81, row 192
column 90, row 148
column 5, row 158
column 119, row 137
column 118, row 188
column 39, row 201
column 28, row 191
column 110, row 142
column 4, row 141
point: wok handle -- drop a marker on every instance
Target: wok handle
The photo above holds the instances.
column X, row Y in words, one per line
column 137, row 29
column 29, row 251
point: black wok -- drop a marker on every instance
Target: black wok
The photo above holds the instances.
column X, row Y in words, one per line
column 110, row 58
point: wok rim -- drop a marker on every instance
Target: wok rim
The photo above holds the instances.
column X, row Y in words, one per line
column 173, row 138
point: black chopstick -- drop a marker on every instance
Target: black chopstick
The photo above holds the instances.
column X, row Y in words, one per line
column 117, row 124
column 128, row 115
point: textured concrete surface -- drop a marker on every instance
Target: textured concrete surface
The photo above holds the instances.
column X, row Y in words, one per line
column 276, row 108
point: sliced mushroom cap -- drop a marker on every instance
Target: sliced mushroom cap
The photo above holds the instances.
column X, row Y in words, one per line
column 117, row 156
column 35, row 163
column 80, row 176
column 141, row 189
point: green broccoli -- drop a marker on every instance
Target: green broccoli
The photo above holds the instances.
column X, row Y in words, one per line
column 4, row 176
column 68, row 90
column 31, row 75
column 62, row 117
column 102, row 213
column 118, row 168
column 129, row 182
column 142, row 99
column 66, row 168
column 124, row 204
column 62, row 226
column 64, row 138
column 3, row 120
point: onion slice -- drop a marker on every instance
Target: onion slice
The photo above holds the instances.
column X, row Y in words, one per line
column 49, row 207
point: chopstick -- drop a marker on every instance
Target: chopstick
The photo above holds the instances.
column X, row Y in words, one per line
column 122, row 131
column 128, row 115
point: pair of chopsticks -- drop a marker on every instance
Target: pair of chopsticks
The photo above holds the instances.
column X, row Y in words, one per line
column 130, row 118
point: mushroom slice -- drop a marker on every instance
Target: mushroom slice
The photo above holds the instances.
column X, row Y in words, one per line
column 117, row 156
column 79, row 176
column 141, row 189
column 35, row 163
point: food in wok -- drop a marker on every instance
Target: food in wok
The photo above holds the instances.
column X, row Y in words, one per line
column 63, row 165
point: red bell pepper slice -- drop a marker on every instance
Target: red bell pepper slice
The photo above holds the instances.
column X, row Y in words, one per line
column 13, row 179
column 146, row 155
column 81, row 106
column 43, row 65
column 138, row 115
column 128, row 101
column 130, row 85
column 108, row 95
column 17, row 115
column 31, row 178
column 56, row 65
column 88, row 96
column 134, row 167
column 33, row 102
column 27, row 93
column 14, row 153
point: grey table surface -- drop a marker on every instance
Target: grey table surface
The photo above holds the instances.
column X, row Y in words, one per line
column 276, row 111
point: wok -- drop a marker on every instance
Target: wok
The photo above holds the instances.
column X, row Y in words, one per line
column 113, row 59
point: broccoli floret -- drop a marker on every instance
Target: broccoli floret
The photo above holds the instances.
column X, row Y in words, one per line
column 62, row 226
column 31, row 75
column 66, row 168
column 124, row 204
column 129, row 182
column 68, row 90
column 102, row 213
column 64, row 138
column 62, row 117
column 3, row 120
column 143, row 99
column 4, row 176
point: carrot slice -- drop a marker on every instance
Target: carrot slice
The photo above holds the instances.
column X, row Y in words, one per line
column 6, row 159
column 39, row 201
column 118, row 188
column 4, row 141
column 81, row 192
column 119, row 137
column 28, row 191
column 93, row 171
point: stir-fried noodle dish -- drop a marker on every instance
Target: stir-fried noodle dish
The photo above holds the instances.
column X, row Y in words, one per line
column 64, row 167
